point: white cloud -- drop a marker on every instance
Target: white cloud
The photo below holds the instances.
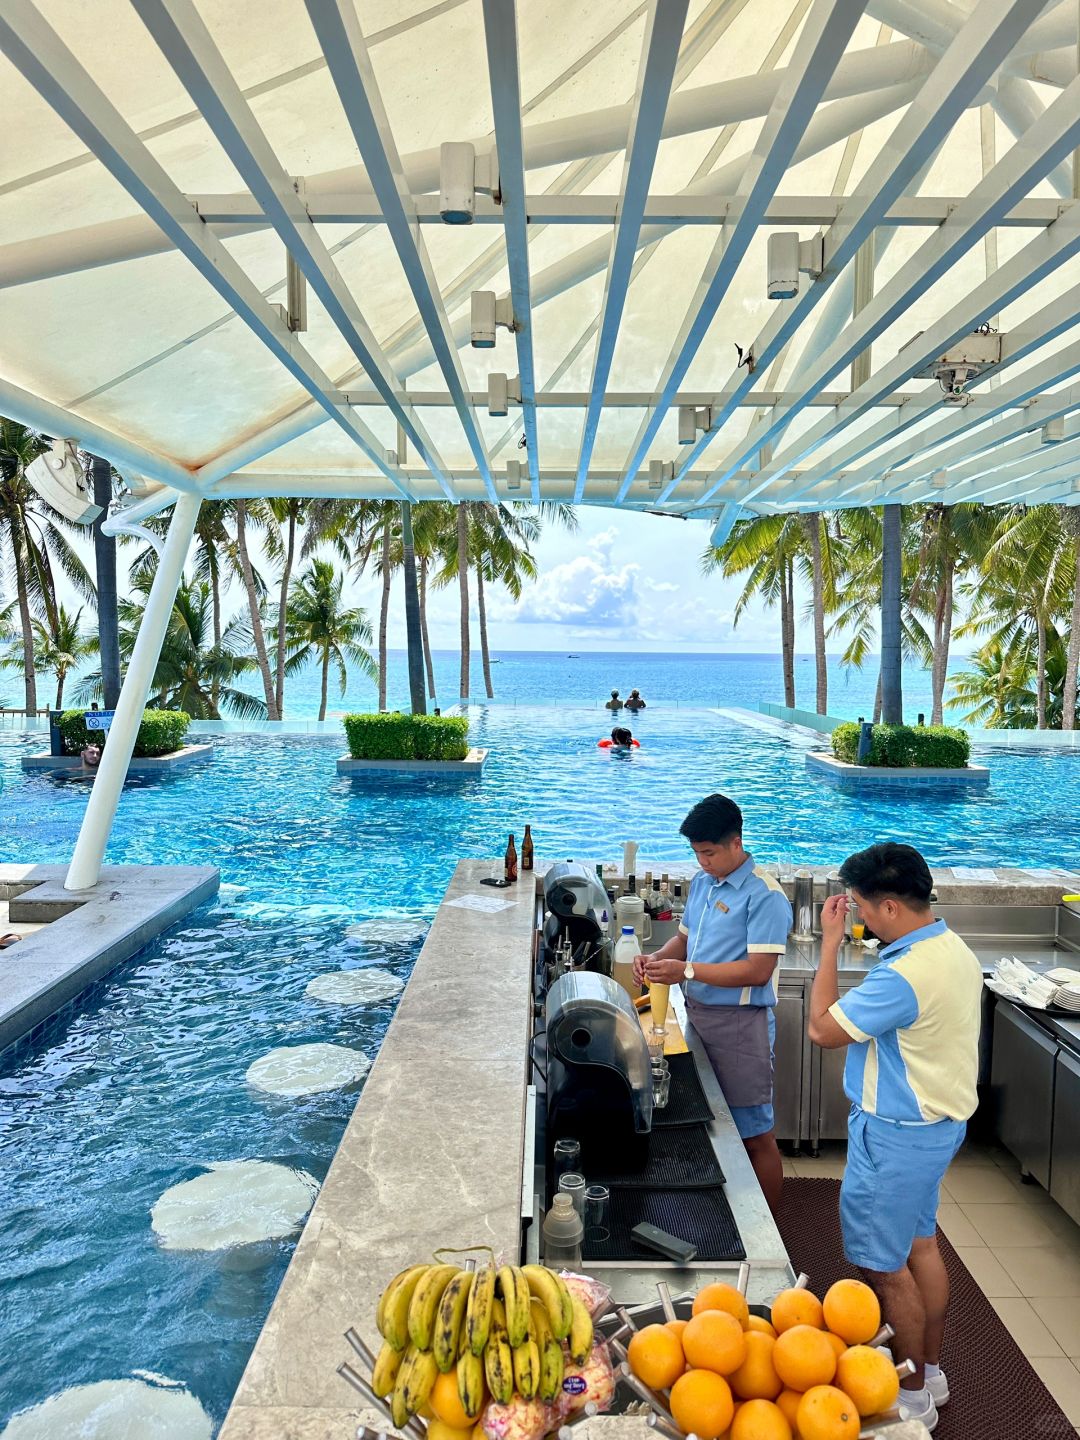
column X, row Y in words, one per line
column 590, row 592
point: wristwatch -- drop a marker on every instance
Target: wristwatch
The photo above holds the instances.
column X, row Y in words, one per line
column 688, row 970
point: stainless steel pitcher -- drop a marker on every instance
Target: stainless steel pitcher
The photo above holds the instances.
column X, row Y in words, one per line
column 803, row 906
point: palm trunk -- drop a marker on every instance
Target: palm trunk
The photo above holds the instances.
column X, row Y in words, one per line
column 463, row 592
column 29, row 673
column 1072, row 663
column 813, row 530
column 417, row 696
column 105, row 575
column 787, row 631
column 877, row 701
column 1040, row 676
column 384, row 612
column 283, row 610
column 325, row 683
column 428, row 665
column 215, row 611
column 892, row 636
column 60, row 690
column 485, row 655
column 942, row 636
column 257, row 631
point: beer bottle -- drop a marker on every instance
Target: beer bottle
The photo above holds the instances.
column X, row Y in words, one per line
column 511, row 861
column 527, row 849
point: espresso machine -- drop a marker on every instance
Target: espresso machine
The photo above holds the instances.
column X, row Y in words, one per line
column 599, row 1086
column 574, row 935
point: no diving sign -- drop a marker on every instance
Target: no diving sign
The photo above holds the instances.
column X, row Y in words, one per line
column 99, row 719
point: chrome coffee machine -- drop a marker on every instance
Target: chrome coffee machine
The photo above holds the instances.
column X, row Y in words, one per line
column 574, row 937
column 599, row 1087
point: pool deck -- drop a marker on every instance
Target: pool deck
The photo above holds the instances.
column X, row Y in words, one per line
column 83, row 934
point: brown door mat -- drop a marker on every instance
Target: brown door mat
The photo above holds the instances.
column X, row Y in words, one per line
column 995, row 1394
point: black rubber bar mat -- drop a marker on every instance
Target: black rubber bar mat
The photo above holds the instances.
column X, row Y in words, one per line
column 702, row 1217
column 681, row 1158
column 687, row 1104
column 994, row 1392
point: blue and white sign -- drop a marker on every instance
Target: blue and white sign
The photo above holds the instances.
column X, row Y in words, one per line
column 100, row 719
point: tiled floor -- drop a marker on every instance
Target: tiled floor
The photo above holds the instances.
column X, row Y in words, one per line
column 1021, row 1248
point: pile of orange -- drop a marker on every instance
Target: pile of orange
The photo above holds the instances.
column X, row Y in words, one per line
column 806, row 1374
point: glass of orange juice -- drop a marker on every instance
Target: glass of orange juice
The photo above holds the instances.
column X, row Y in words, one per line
column 858, row 928
column 658, row 1004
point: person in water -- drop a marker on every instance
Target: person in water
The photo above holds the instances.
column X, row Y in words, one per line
column 615, row 703
column 621, row 739
column 635, row 701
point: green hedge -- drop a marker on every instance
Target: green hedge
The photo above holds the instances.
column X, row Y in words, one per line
column 394, row 736
column 161, row 732
column 938, row 747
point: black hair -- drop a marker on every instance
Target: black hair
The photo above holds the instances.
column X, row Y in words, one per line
column 621, row 736
column 889, row 869
column 712, row 821
column 614, row 692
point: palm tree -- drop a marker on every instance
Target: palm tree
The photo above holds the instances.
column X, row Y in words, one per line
column 64, row 648
column 320, row 628
column 822, row 594
column 101, row 477
column 1000, row 689
column 289, row 514
column 1070, row 524
column 245, row 510
column 763, row 547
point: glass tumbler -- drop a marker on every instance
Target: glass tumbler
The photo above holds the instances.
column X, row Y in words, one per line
column 661, row 1082
column 574, row 1185
column 597, row 1198
column 565, row 1156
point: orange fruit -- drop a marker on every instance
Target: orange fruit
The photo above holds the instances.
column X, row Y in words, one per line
column 756, row 1377
column 852, row 1311
column 837, row 1343
column 676, row 1326
column 760, row 1420
column 826, row 1413
column 788, row 1401
column 701, row 1403
column 757, row 1323
column 870, row 1379
column 797, row 1307
column 446, row 1403
column 714, row 1340
column 719, row 1296
column 439, row 1430
column 803, row 1357
column 656, row 1356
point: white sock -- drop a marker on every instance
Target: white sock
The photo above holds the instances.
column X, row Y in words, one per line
column 915, row 1400
column 931, row 1371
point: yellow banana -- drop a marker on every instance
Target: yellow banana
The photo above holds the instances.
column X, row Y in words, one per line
column 551, row 1353
column 551, row 1291
column 470, row 1383
column 448, row 1320
column 387, row 1364
column 420, row 1380
column 478, row 1311
column 393, row 1310
column 581, row 1332
column 515, row 1293
column 527, row 1368
column 425, row 1302
column 399, row 1410
column 499, row 1358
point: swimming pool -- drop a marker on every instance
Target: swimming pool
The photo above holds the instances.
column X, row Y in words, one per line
column 146, row 1084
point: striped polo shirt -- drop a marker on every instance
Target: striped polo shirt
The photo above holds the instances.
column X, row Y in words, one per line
column 745, row 913
column 915, row 1021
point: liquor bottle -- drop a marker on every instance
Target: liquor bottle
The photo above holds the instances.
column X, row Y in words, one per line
column 678, row 904
column 527, row 849
column 510, row 862
column 631, row 885
column 648, row 897
column 663, row 903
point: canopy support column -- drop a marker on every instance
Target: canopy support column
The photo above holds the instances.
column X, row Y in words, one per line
column 85, row 868
column 413, row 638
column 892, row 703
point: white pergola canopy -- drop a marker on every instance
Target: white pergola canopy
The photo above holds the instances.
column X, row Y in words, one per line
column 167, row 163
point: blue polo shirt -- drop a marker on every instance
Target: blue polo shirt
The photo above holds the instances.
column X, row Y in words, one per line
column 745, row 913
column 915, row 1023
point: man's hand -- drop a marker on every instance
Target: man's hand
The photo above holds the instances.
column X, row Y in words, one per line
column 833, row 914
column 664, row 972
column 639, row 969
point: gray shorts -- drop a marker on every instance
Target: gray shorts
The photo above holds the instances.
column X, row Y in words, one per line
column 738, row 1040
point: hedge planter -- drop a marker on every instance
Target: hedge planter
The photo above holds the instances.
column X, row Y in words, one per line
column 139, row 764
column 417, row 743
column 880, row 777
column 472, row 764
column 160, row 734
column 927, row 747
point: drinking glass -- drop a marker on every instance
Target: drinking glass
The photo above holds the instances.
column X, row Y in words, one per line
column 658, row 1004
column 573, row 1185
column 661, row 1082
column 596, row 1214
column 566, row 1156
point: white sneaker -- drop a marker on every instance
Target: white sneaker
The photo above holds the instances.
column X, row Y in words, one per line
column 918, row 1405
column 939, row 1389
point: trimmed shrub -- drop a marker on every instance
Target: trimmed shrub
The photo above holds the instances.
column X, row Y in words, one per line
column 936, row 747
column 393, row 736
column 161, row 732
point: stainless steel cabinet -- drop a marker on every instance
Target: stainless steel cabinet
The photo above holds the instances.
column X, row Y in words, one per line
column 1065, row 1161
column 792, row 1081
column 1022, row 1089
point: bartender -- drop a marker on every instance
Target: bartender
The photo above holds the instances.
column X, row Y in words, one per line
column 732, row 934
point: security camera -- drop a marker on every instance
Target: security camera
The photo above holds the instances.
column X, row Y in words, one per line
column 787, row 257
column 58, row 477
column 457, row 182
column 953, row 380
column 487, row 314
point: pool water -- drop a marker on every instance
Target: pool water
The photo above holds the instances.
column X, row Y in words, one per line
column 146, row 1083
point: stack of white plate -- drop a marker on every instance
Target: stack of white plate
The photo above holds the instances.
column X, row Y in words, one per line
column 1067, row 997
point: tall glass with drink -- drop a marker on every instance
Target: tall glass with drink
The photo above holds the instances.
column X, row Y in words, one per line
column 658, row 1004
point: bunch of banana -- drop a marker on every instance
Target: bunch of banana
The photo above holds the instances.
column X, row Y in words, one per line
column 550, row 1289
column 552, row 1363
column 415, row 1379
column 499, row 1357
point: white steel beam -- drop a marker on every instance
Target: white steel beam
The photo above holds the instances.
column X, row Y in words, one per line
column 500, row 34
column 349, row 63
column 184, row 40
column 828, row 29
column 955, row 81
column 51, row 68
column 1018, row 106
column 656, row 71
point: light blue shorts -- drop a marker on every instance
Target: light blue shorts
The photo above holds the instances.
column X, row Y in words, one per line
column 889, row 1196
